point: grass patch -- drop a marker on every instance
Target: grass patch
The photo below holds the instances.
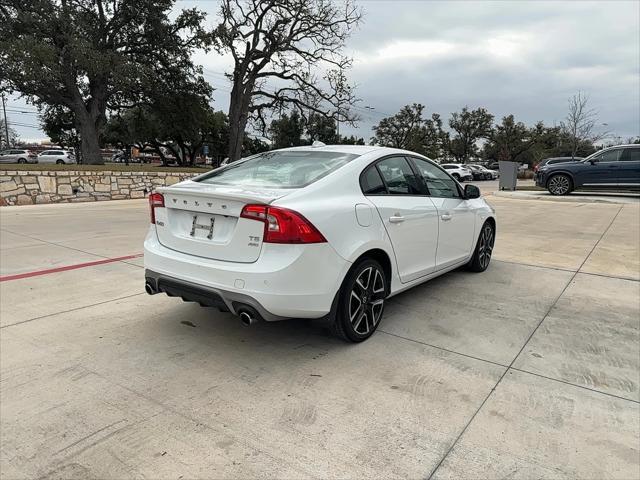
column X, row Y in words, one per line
column 108, row 167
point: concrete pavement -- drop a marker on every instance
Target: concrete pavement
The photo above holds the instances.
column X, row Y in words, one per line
column 530, row 369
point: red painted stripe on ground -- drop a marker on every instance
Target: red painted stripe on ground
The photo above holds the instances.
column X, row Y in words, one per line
column 36, row 273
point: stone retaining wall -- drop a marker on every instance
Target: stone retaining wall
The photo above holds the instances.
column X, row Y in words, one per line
column 33, row 186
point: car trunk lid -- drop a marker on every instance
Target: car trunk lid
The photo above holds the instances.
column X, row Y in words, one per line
column 203, row 219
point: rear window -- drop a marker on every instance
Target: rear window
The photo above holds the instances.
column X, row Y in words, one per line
column 279, row 169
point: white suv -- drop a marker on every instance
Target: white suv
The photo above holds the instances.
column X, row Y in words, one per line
column 321, row 232
column 458, row 171
column 57, row 156
column 18, row 156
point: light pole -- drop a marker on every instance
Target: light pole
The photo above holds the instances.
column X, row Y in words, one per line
column 6, row 125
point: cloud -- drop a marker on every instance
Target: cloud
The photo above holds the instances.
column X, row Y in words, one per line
column 518, row 57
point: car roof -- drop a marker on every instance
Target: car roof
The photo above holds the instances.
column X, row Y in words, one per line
column 352, row 149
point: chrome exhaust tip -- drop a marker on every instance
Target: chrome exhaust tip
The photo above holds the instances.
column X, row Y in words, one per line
column 149, row 288
column 247, row 319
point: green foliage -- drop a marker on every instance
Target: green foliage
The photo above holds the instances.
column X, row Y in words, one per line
column 287, row 131
column 351, row 140
column 407, row 129
column 59, row 124
column 91, row 55
column 469, row 126
column 251, row 146
column 322, row 129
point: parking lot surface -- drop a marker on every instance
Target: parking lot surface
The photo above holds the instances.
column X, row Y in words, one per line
column 529, row 370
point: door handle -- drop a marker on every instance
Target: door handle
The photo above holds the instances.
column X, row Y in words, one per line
column 445, row 217
column 396, row 218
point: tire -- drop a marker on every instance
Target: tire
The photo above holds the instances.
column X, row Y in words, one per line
column 361, row 302
column 22, row 160
column 59, row 162
column 560, row 184
column 484, row 248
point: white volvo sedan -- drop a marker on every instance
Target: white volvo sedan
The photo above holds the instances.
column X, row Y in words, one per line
column 321, row 232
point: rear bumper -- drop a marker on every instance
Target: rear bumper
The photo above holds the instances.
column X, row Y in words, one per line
column 287, row 281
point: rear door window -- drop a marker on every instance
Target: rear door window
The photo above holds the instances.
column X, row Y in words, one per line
column 398, row 176
column 630, row 155
column 279, row 169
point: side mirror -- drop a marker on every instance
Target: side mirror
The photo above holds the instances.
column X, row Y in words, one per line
column 592, row 161
column 471, row 191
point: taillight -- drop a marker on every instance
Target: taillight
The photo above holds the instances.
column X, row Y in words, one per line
column 155, row 200
column 282, row 225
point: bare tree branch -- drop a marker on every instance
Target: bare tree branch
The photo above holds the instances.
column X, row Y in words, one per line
column 285, row 41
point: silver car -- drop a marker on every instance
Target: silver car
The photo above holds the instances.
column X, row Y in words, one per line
column 18, row 155
column 57, row 156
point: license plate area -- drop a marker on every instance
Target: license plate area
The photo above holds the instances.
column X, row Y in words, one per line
column 202, row 226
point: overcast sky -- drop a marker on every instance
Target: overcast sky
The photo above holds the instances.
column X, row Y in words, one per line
column 525, row 58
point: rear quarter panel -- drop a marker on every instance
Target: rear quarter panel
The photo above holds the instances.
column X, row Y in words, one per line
column 330, row 204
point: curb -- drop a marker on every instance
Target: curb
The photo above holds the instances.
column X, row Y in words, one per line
column 620, row 199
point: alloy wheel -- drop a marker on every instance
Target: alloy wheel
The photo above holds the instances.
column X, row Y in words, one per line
column 366, row 300
column 559, row 185
column 485, row 248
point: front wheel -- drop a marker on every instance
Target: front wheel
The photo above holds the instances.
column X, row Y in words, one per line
column 482, row 254
column 559, row 184
column 361, row 302
column 60, row 162
column 22, row 160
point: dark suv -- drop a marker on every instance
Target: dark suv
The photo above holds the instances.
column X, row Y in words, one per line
column 612, row 168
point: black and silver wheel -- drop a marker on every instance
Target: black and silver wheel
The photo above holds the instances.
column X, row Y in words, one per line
column 22, row 160
column 60, row 162
column 482, row 255
column 559, row 184
column 361, row 302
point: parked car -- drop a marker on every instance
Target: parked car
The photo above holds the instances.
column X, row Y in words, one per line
column 477, row 173
column 554, row 160
column 493, row 174
column 324, row 232
column 612, row 168
column 18, row 155
column 483, row 173
column 458, row 171
column 57, row 156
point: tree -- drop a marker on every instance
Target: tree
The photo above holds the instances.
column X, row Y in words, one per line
column 435, row 140
column 469, row 127
column 59, row 124
column 178, row 130
column 91, row 55
column 407, row 129
column 509, row 140
column 351, row 140
column 286, row 41
column 13, row 135
column 322, row 129
column 287, row 131
column 580, row 124
column 398, row 130
column 253, row 145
